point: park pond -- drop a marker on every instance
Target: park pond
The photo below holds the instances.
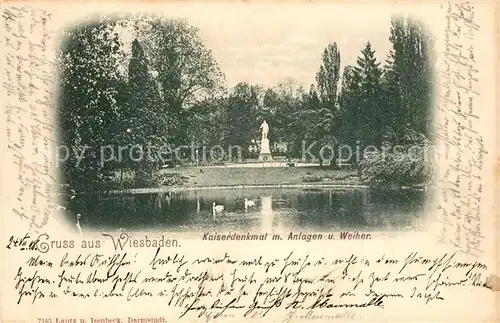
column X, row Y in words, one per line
column 275, row 210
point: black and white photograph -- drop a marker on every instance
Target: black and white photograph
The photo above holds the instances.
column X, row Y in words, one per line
column 232, row 161
column 177, row 124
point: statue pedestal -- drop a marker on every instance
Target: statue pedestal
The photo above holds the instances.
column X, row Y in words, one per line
column 265, row 153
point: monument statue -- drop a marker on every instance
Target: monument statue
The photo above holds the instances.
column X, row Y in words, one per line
column 265, row 129
column 265, row 153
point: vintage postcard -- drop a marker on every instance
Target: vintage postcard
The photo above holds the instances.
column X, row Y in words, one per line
column 240, row 161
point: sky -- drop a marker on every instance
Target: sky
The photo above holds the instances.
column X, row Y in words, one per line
column 264, row 42
column 261, row 46
column 265, row 51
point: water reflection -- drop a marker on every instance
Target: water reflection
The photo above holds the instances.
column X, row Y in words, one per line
column 275, row 209
column 267, row 214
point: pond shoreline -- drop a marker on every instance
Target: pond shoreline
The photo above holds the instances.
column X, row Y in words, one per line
column 159, row 189
column 147, row 190
column 292, row 206
column 201, row 178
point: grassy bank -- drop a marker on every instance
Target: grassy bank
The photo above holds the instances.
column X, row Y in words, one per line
column 229, row 176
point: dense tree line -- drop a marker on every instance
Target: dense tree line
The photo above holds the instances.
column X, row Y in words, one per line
column 167, row 89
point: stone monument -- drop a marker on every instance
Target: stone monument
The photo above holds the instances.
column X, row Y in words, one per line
column 265, row 153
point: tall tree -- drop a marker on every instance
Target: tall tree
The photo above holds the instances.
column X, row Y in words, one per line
column 351, row 126
column 317, row 121
column 146, row 116
column 313, row 126
column 243, row 104
column 408, row 78
column 187, row 71
column 328, row 76
column 90, row 97
column 280, row 103
column 208, row 122
column 370, row 96
column 146, row 121
column 407, row 94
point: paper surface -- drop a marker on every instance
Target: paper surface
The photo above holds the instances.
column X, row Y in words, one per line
column 274, row 238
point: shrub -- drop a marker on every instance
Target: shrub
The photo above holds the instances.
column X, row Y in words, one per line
column 412, row 167
column 312, row 178
column 170, row 179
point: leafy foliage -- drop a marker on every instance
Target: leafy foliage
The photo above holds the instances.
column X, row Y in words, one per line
column 412, row 165
column 112, row 98
column 187, row 71
column 163, row 87
column 91, row 96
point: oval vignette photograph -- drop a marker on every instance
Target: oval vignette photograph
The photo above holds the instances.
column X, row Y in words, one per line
column 165, row 125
